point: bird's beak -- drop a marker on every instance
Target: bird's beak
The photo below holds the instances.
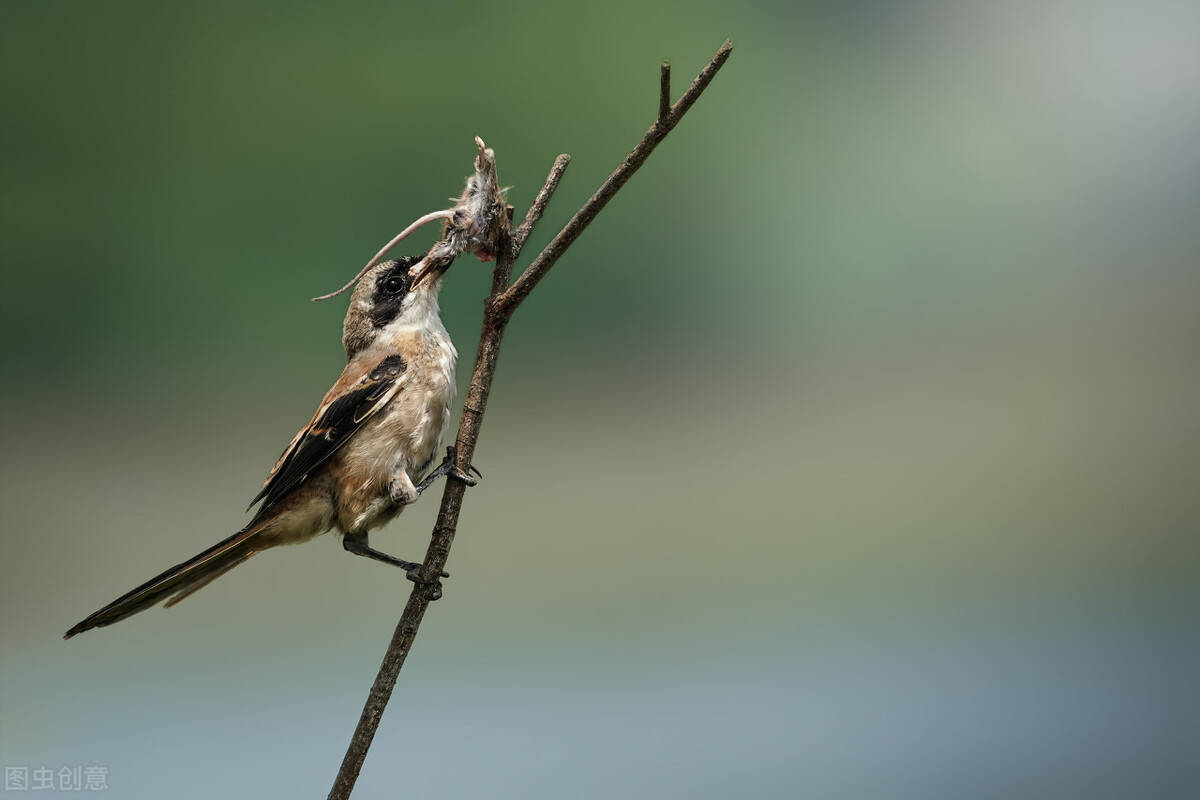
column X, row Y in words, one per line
column 427, row 270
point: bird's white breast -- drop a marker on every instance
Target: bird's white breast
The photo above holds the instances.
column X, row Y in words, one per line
column 407, row 433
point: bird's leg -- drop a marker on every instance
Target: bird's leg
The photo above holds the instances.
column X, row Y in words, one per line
column 447, row 467
column 358, row 544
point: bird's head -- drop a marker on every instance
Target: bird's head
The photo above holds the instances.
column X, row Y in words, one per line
column 391, row 295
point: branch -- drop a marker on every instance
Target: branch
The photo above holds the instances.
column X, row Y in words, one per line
column 664, row 92
column 498, row 309
column 516, row 293
column 539, row 204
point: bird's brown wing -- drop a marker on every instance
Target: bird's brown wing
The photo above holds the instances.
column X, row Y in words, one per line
column 362, row 390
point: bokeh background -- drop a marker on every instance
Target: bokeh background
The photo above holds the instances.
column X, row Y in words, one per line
column 851, row 453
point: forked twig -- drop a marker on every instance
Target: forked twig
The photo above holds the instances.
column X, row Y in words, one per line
column 523, row 285
column 498, row 309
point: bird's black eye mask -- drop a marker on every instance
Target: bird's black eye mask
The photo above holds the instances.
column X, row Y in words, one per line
column 391, row 287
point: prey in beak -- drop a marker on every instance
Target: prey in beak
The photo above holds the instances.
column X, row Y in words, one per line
column 428, row 269
column 474, row 224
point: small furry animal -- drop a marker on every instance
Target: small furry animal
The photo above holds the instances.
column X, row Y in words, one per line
column 354, row 466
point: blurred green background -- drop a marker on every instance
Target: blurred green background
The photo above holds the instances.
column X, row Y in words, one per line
column 851, row 453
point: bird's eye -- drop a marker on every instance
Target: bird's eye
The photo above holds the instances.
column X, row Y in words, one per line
column 394, row 285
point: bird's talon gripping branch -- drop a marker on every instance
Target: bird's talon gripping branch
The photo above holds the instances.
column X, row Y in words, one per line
column 448, row 467
column 434, row 587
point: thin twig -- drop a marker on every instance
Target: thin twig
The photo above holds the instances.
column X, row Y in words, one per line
column 539, row 203
column 498, row 310
column 516, row 241
column 583, row 217
column 664, row 92
column 503, row 269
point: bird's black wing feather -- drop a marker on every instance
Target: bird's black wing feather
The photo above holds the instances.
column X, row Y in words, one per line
column 343, row 412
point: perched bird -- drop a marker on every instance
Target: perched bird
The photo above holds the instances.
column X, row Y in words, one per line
column 357, row 463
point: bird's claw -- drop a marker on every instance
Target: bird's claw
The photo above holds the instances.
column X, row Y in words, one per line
column 448, row 467
column 465, row 477
column 452, row 468
column 434, row 586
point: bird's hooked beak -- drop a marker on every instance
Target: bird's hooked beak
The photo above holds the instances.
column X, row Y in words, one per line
column 428, row 270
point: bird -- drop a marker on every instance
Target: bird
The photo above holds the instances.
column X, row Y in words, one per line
column 357, row 463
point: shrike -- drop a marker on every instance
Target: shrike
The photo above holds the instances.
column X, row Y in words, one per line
column 357, row 463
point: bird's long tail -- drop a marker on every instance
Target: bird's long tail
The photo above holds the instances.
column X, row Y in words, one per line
column 176, row 583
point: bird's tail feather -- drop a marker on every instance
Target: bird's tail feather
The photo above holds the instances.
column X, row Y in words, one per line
column 176, row 583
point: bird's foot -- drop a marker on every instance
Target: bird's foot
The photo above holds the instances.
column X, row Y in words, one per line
column 447, row 467
column 433, row 587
